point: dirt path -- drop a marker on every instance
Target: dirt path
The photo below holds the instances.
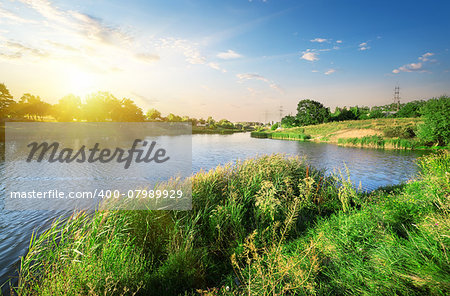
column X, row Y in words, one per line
column 352, row 133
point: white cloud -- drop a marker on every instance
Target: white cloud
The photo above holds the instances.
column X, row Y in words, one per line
column 339, row 41
column 315, row 71
column 216, row 67
column 249, row 76
column 319, row 40
column 425, row 56
column 415, row 67
column 6, row 14
column 147, row 57
column 363, row 46
column 330, row 71
column 310, row 55
column 228, row 55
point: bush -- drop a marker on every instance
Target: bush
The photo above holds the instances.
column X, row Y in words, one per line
column 436, row 128
column 404, row 132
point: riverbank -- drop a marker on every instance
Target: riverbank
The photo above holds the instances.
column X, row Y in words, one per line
column 385, row 133
column 263, row 226
column 215, row 130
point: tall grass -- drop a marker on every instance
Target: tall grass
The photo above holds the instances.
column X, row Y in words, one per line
column 280, row 136
column 265, row 226
column 380, row 142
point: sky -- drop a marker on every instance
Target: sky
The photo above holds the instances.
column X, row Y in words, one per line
column 236, row 59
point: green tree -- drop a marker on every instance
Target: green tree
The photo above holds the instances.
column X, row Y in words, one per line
column 6, row 101
column 411, row 109
column 210, row 121
column 436, row 126
column 376, row 113
column 289, row 121
column 32, row 107
column 311, row 112
column 101, row 106
column 67, row 108
column 225, row 123
column 128, row 112
column 153, row 115
column 173, row 117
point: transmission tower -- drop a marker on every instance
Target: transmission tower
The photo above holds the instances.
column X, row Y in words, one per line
column 281, row 113
column 397, row 97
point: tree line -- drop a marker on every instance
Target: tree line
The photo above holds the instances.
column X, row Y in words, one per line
column 436, row 114
column 100, row 106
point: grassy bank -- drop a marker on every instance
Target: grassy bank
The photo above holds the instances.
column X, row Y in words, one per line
column 264, row 226
column 386, row 133
column 215, row 130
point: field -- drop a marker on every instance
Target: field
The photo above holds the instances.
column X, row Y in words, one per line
column 265, row 226
column 390, row 133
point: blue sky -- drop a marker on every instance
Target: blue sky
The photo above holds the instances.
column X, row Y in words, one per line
column 239, row 60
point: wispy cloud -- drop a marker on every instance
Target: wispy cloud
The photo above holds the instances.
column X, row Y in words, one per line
column 8, row 15
column 339, row 41
column 310, row 55
column 147, row 57
column 228, row 55
column 249, row 76
column 425, row 57
column 18, row 50
column 363, row 46
column 88, row 41
column 415, row 67
column 330, row 71
column 319, row 40
column 216, row 66
column 190, row 51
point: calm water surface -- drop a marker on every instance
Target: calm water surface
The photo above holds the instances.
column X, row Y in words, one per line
column 373, row 168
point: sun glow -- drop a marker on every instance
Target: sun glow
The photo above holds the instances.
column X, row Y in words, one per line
column 79, row 82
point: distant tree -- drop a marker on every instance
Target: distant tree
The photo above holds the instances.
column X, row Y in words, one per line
column 194, row 121
column 436, row 127
column 225, row 123
column 67, row 108
column 363, row 113
column 173, row 117
column 376, row 113
column 153, row 114
column 274, row 126
column 311, row 112
column 210, row 120
column 101, row 106
column 6, row 101
column 411, row 109
column 32, row 107
column 128, row 112
column 341, row 114
column 289, row 121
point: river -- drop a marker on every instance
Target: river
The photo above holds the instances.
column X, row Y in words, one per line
column 373, row 168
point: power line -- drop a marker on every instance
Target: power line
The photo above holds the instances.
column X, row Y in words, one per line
column 397, row 97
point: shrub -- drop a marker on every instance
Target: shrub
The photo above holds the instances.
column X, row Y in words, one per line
column 436, row 128
column 404, row 132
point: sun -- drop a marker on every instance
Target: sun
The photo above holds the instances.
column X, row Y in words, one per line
column 80, row 82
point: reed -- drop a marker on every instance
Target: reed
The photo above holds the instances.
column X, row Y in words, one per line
column 264, row 226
